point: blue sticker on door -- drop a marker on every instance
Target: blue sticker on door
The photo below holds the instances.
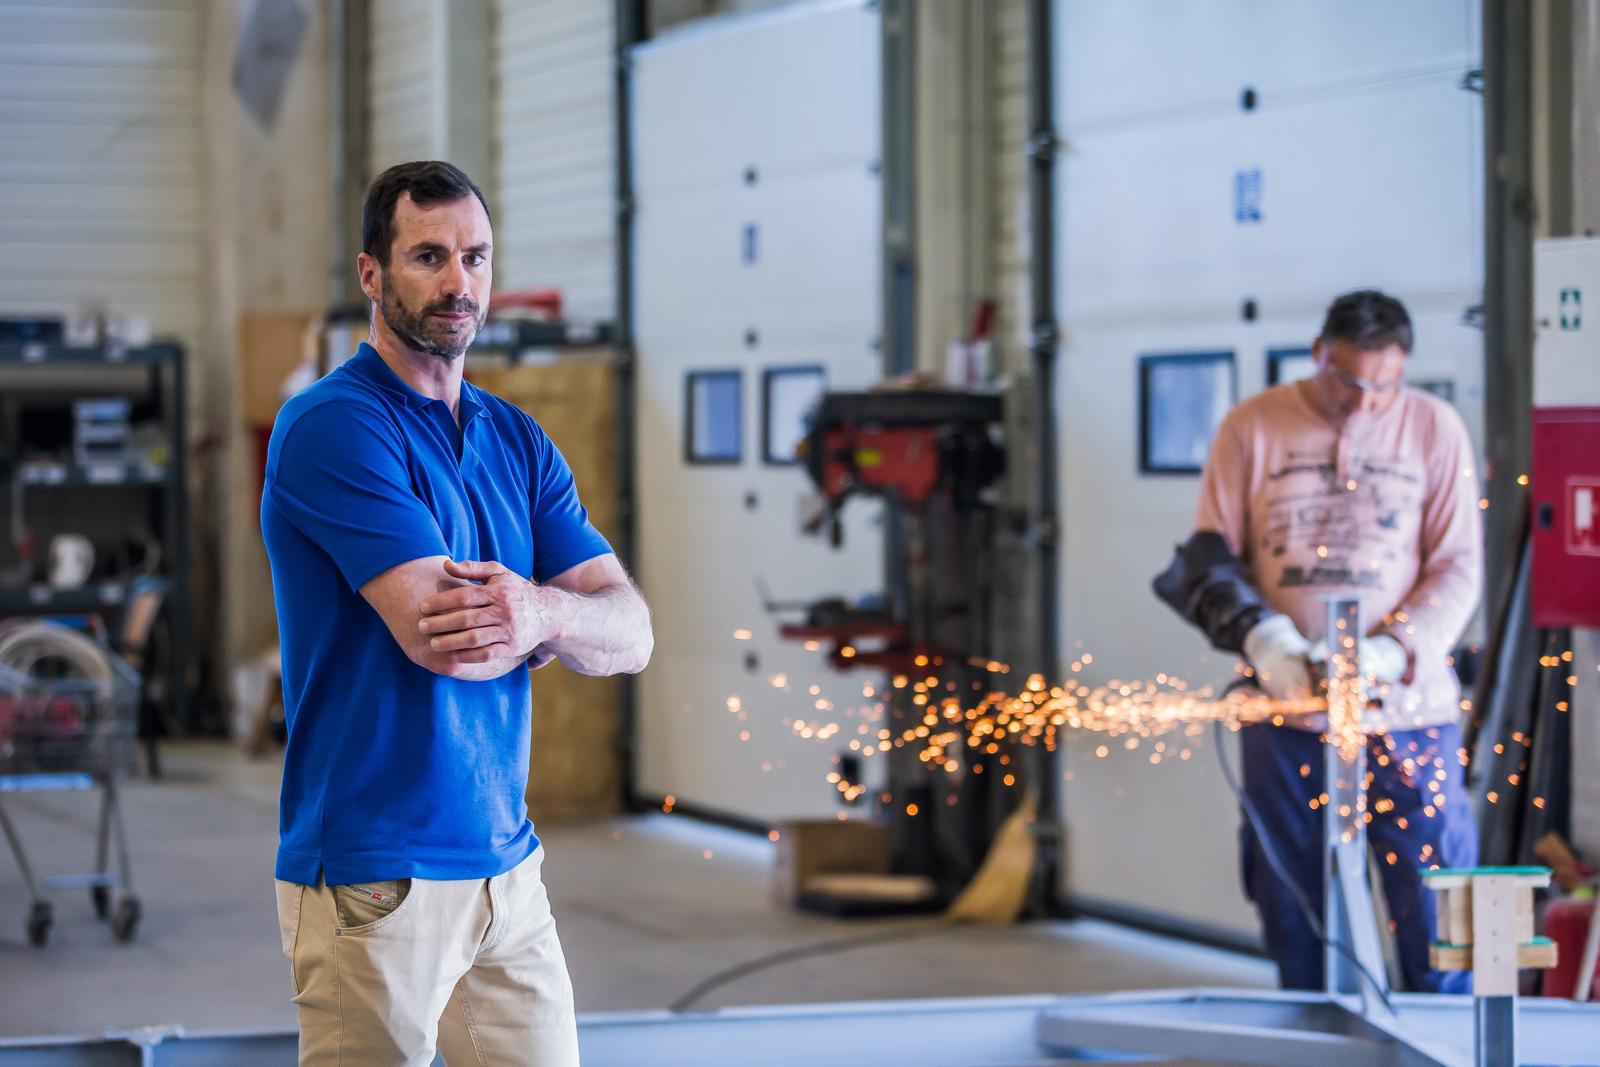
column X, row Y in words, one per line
column 1247, row 195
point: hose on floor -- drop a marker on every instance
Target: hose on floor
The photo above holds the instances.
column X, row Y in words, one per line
column 803, row 952
column 1282, row 871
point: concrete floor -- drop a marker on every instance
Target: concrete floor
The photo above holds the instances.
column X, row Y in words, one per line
column 648, row 907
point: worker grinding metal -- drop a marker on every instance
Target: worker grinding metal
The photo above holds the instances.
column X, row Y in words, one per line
column 428, row 546
column 1347, row 483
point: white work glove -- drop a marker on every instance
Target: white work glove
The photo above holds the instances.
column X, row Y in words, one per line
column 1278, row 654
column 1383, row 660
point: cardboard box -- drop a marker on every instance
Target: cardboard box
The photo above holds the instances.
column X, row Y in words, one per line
column 272, row 344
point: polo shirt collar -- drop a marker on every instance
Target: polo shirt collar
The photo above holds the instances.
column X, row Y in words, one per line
column 472, row 404
column 370, row 366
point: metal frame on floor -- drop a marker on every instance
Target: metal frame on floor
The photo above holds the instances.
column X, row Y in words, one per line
column 1240, row 1026
column 1356, row 1020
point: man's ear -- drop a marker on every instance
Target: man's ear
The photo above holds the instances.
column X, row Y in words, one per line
column 1318, row 350
column 370, row 273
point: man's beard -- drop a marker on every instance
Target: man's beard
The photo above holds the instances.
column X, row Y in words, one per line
column 424, row 333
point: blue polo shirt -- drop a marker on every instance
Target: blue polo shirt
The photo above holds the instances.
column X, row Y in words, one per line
column 393, row 771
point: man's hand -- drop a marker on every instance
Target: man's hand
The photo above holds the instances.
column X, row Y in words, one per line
column 1382, row 659
column 1277, row 654
column 505, row 616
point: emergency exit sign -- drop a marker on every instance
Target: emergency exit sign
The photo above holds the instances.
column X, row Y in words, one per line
column 1566, row 359
column 1572, row 309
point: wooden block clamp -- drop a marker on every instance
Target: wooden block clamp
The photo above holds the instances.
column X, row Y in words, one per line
column 1485, row 925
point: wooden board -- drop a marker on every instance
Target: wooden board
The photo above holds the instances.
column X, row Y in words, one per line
column 1495, row 953
column 575, row 770
column 889, row 888
column 1538, row 955
column 575, row 401
column 271, row 345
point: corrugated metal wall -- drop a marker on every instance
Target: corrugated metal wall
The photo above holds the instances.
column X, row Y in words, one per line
column 404, row 82
column 103, row 195
column 1010, row 202
column 553, row 135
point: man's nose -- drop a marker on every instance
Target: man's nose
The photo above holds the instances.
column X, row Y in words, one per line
column 453, row 283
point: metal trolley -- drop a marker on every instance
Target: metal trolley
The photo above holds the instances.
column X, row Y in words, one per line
column 72, row 733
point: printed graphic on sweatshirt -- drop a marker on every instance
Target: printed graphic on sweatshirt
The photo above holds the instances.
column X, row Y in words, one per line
column 1339, row 522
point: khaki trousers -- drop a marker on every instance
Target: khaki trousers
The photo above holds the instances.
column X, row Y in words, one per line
column 385, row 972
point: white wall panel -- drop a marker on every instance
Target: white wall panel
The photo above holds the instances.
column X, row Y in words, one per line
column 1381, row 182
column 100, row 163
column 824, row 276
column 695, row 135
column 1370, row 160
column 554, row 151
column 1194, row 58
column 709, row 103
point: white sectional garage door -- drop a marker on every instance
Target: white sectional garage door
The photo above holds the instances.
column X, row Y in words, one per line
column 101, row 194
column 755, row 140
column 1358, row 165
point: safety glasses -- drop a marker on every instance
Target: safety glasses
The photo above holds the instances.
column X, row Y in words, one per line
column 1363, row 384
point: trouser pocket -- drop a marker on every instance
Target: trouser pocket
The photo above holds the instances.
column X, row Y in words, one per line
column 364, row 903
column 291, row 896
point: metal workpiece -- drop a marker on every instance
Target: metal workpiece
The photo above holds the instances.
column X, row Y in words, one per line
column 1311, row 1029
column 1353, row 955
column 1494, row 1029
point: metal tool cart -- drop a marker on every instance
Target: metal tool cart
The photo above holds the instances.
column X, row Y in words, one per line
column 69, row 715
column 93, row 442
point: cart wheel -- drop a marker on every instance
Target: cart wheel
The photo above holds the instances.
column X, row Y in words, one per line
column 39, row 920
column 101, row 895
column 126, row 920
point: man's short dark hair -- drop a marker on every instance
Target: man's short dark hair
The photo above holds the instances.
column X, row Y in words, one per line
column 1369, row 319
column 429, row 182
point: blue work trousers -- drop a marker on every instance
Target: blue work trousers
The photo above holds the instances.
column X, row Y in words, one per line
column 1421, row 817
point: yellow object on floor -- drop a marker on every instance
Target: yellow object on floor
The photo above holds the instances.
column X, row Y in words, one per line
column 997, row 893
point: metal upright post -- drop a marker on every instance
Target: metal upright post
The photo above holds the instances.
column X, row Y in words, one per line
column 629, row 29
column 1349, row 921
column 1045, row 517
column 1494, row 1031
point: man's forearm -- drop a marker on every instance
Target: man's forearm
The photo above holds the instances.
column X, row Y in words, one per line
column 1431, row 618
column 483, row 672
column 1211, row 588
column 601, row 633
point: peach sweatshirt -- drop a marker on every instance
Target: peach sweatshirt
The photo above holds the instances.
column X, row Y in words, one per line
column 1386, row 507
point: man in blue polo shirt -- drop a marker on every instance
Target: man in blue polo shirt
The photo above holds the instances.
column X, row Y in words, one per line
column 428, row 547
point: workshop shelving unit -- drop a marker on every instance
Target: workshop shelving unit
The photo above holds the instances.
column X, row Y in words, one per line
column 90, row 372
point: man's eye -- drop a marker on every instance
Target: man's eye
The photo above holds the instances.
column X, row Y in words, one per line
column 427, row 257
column 476, row 260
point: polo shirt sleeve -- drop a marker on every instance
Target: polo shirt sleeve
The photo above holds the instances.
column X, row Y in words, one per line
column 340, row 478
column 563, row 536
